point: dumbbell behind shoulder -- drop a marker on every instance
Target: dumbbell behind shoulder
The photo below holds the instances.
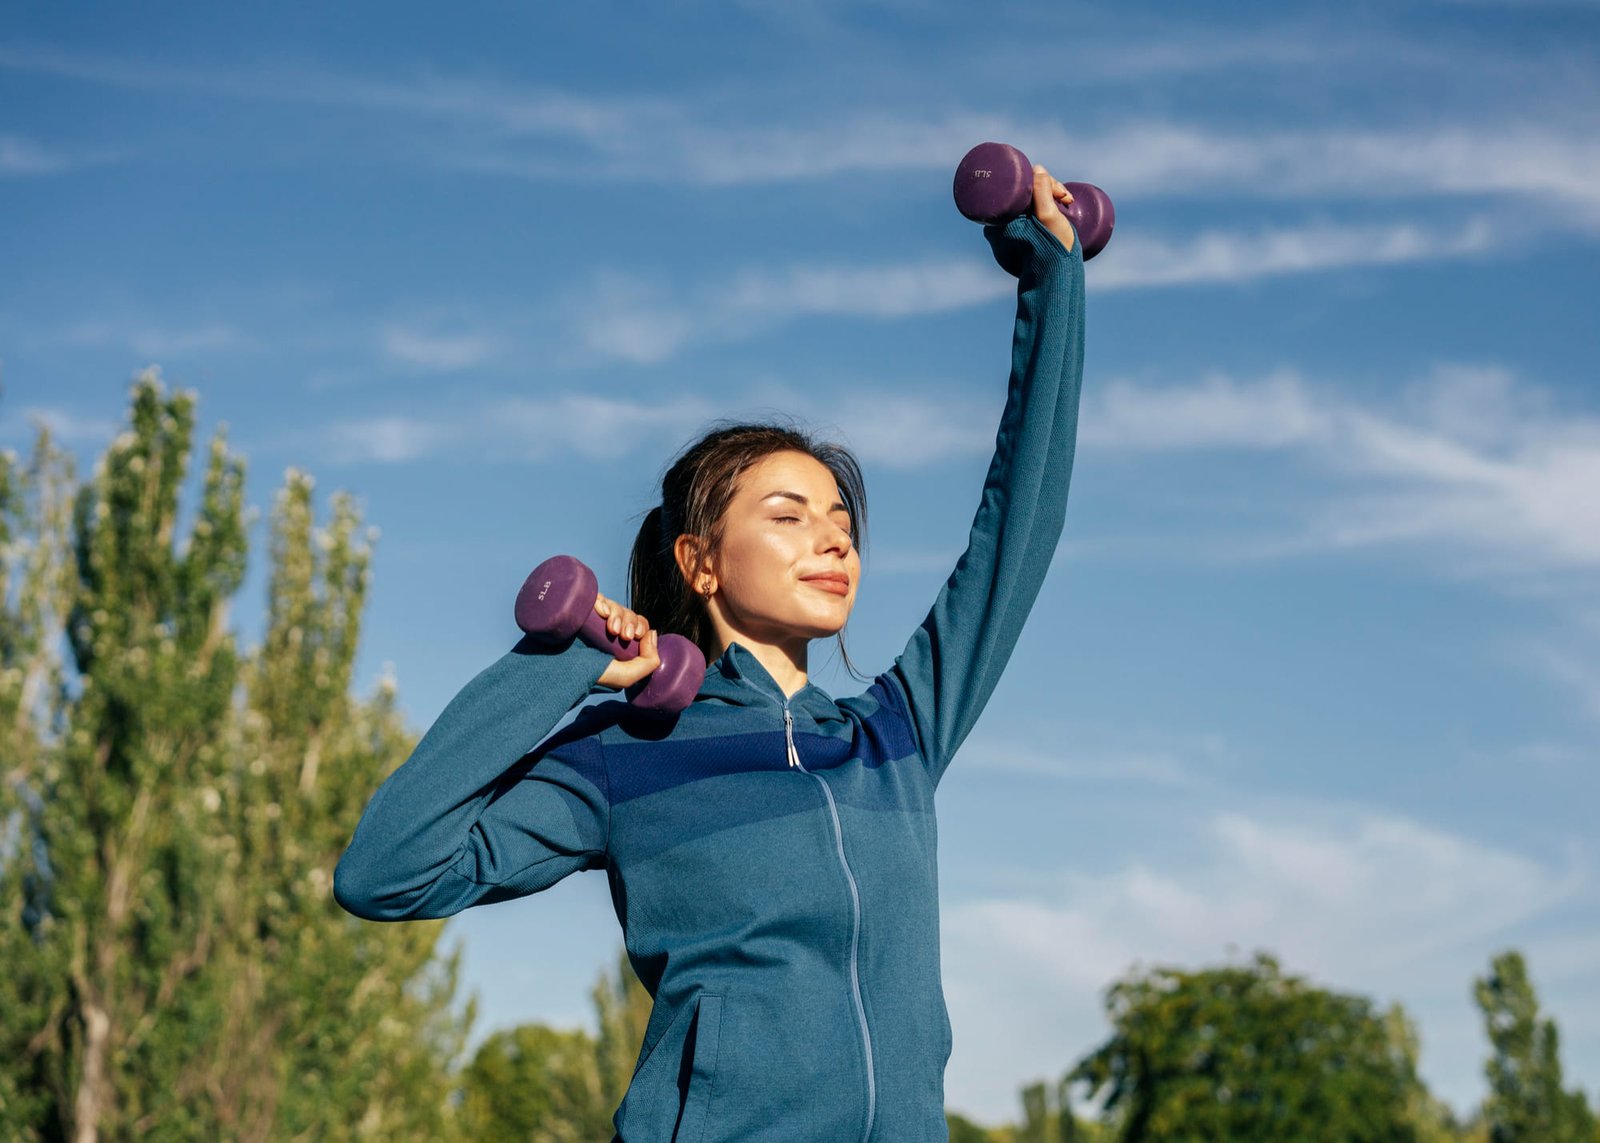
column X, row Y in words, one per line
column 556, row 604
column 673, row 685
column 994, row 184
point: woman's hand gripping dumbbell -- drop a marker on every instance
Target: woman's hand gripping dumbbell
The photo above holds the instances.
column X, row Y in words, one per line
column 994, row 183
column 561, row 599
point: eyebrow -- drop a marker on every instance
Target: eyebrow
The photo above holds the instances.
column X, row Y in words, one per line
column 799, row 499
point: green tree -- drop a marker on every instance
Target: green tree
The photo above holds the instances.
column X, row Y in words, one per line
column 1526, row 1100
column 622, row 1011
column 963, row 1130
column 122, row 913
column 35, row 579
column 1247, row 1053
column 535, row 1083
column 357, row 1014
column 1431, row 1118
column 173, row 810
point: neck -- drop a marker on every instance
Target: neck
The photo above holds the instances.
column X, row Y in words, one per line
column 784, row 661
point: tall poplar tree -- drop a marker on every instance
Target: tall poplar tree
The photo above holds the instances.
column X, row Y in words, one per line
column 342, row 1027
column 35, row 511
column 174, row 808
column 1526, row 1101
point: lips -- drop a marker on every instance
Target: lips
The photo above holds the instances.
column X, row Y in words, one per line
column 835, row 582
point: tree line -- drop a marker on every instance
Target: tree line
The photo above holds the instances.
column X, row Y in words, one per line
column 172, row 805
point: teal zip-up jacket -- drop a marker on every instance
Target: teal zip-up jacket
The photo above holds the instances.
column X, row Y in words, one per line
column 771, row 860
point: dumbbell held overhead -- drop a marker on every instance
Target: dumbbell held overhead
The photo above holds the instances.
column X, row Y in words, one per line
column 556, row 604
column 994, row 184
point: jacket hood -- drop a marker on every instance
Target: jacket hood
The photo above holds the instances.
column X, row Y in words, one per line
column 737, row 678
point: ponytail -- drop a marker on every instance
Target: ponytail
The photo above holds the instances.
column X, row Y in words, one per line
column 657, row 589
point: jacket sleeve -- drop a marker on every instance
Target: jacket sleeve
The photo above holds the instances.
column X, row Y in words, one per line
column 476, row 814
column 953, row 661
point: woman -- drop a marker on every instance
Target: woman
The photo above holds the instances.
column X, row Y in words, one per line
column 770, row 851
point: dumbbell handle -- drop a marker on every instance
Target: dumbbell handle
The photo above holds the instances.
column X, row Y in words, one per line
column 556, row 604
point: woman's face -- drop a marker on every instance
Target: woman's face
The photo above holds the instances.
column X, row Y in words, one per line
column 786, row 568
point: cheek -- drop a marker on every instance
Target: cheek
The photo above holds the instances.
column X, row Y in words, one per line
column 755, row 559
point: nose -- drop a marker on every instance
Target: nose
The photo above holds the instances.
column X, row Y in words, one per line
column 833, row 538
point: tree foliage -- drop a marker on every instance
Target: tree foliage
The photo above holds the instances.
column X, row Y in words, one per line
column 1526, row 1100
column 35, row 513
column 174, row 806
column 1247, row 1053
column 538, row 1084
column 555, row 1085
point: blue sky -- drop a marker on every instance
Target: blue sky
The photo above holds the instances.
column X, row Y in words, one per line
column 1317, row 668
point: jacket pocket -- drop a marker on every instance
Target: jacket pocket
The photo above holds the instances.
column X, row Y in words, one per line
column 697, row 1076
column 669, row 1097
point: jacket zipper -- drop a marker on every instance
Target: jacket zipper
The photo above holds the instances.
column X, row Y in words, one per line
column 855, row 915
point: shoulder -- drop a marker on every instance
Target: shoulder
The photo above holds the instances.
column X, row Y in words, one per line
column 883, row 713
column 615, row 721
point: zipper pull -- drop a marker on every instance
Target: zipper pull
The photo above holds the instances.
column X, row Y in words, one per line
column 788, row 736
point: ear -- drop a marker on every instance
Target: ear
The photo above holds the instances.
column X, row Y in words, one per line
column 696, row 569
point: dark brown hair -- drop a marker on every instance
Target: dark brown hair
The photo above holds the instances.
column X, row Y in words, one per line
column 695, row 493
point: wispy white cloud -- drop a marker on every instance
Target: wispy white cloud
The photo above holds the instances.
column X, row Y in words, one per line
column 65, row 427
column 1554, row 163
column 20, row 157
column 593, row 425
column 510, row 128
column 1470, row 467
column 886, row 429
column 436, row 352
column 1145, row 260
column 155, row 341
column 1467, row 462
column 390, row 440
column 1102, row 755
column 1571, row 665
column 898, row 430
column 516, row 428
column 867, row 291
column 646, row 322
column 1355, row 899
column 1470, row 460
column 1216, row 412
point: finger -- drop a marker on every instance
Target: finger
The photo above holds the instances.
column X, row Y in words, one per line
column 1044, row 199
column 602, row 606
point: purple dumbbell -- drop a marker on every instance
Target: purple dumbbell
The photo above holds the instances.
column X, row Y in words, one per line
column 557, row 602
column 994, row 184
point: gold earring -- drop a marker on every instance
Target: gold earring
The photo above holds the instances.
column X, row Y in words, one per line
column 706, row 591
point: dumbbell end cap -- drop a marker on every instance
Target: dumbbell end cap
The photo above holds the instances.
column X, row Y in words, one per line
column 1092, row 217
column 674, row 684
column 555, row 598
column 993, row 183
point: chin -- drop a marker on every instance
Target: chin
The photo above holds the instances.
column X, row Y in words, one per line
column 823, row 628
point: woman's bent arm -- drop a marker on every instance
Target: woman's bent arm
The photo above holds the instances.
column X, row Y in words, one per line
column 471, row 817
column 951, row 664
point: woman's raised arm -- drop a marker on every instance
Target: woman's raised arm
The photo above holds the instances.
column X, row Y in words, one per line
column 951, row 664
column 472, row 816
